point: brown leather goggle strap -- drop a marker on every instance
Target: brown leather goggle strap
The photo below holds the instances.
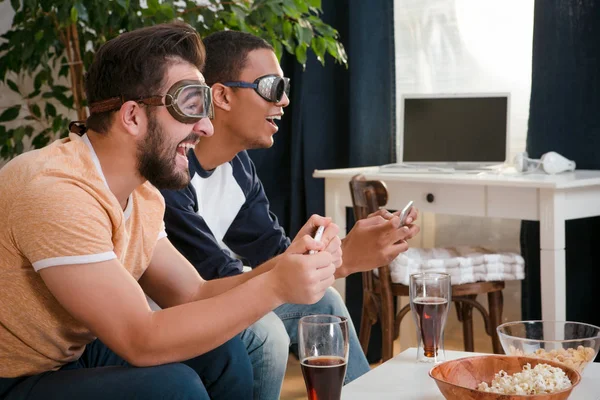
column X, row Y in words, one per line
column 111, row 104
column 114, row 103
column 77, row 127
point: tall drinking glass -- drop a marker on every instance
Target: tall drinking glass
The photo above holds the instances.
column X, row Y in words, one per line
column 430, row 297
column 323, row 350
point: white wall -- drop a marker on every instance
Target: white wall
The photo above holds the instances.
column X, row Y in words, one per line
column 465, row 46
column 6, row 17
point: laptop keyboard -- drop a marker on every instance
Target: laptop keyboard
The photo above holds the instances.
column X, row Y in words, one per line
column 436, row 168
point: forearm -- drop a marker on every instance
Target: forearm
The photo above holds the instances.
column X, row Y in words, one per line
column 217, row 286
column 345, row 269
column 188, row 330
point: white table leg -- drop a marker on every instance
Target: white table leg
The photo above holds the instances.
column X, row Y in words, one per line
column 552, row 255
column 335, row 208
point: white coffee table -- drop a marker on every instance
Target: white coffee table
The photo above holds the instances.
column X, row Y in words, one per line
column 402, row 378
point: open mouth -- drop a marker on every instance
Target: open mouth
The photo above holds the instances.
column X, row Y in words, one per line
column 271, row 119
column 184, row 147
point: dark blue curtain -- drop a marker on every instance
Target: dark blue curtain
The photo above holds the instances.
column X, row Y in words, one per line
column 564, row 117
column 337, row 118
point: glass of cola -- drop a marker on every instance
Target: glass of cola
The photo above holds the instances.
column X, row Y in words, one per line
column 430, row 298
column 323, row 351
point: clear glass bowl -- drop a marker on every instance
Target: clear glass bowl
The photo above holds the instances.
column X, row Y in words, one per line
column 574, row 344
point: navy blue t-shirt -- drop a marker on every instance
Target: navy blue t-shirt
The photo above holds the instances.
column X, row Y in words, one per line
column 221, row 220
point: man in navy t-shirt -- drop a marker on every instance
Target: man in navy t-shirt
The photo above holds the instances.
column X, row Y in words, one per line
column 221, row 222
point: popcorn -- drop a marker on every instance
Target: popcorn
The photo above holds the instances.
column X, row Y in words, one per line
column 574, row 358
column 541, row 379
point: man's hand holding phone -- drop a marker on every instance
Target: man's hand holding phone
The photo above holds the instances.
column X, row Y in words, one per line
column 405, row 213
column 324, row 234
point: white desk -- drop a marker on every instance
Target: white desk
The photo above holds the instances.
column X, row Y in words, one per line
column 402, row 378
column 549, row 199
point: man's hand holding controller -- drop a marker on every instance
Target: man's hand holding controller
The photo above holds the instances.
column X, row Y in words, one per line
column 306, row 269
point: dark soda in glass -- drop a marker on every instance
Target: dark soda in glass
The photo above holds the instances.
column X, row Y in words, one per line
column 324, row 377
column 431, row 316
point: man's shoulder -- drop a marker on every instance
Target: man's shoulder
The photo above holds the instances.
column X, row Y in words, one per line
column 243, row 169
column 149, row 193
column 52, row 168
column 243, row 159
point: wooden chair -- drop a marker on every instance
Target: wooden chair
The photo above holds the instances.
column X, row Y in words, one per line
column 379, row 292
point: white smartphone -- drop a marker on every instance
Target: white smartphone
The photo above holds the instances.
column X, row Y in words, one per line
column 404, row 213
column 318, row 236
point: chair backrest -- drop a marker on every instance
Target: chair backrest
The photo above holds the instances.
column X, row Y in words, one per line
column 368, row 197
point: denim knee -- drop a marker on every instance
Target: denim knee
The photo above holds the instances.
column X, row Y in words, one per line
column 171, row 381
column 268, row 345
column 225, row 371
column 269, row 334
column 333, row 303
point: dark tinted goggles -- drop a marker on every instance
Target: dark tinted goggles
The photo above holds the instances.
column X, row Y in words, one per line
column 188, row 101
column 269, row 87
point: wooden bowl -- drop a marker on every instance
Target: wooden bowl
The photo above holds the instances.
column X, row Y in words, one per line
column 458, row 379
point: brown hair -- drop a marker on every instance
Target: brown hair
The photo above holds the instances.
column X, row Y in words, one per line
column 226, row 54
column 133, row 65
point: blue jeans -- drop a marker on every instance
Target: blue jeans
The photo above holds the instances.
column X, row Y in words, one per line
column 269, row 339
column 223, row 373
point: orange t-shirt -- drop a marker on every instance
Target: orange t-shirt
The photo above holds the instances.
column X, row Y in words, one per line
column 56, row 209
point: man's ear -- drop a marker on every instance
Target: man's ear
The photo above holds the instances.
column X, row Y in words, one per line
column 221, row 96
column 132, row 117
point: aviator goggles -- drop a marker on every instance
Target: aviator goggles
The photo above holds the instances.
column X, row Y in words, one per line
column 269, row 87
column 188, row 101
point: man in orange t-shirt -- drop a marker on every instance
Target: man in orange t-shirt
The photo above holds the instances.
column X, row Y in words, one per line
column 82, row 241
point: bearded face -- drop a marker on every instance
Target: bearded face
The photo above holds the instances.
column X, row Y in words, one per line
column 157, row 157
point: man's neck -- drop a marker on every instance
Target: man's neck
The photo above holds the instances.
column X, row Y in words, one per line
column 217, row 149
column 118, row 164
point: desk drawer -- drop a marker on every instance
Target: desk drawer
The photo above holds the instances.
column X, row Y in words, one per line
column 438, row 198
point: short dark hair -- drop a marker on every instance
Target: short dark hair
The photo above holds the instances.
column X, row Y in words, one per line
column 226, row 54
column 133, row 65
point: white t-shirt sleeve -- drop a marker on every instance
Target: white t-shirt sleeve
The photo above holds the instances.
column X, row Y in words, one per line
column 162, row 233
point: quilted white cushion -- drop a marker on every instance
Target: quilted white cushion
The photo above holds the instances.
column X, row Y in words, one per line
column 465, row 264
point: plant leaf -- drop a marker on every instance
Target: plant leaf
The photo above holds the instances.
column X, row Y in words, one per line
column 40, row 78
column 35, row 109
column 56, row 124
column 33, row 94
column 287, row 30
column 50, row 110
column 319, row 47
column 304, row 33
column 73, row 14
column 301, row 6
column 19, row 134
column 314, row 3
column 13, row 86
column 301, row 54
column 10, row 114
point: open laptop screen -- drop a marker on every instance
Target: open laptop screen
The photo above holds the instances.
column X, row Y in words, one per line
column 455, row 129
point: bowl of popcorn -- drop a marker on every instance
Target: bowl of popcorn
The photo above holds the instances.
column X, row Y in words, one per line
column 496, row 377
column 574, row 344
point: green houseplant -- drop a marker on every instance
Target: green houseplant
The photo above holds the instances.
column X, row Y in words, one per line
column 51, row 42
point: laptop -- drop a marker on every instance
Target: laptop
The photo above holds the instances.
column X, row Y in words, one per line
column 450, row 133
